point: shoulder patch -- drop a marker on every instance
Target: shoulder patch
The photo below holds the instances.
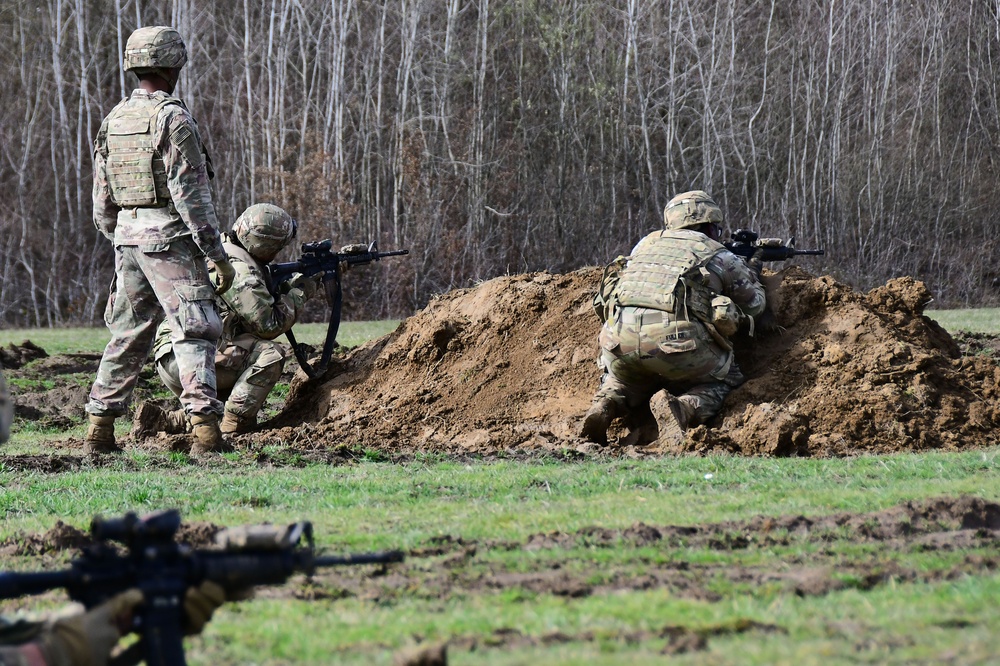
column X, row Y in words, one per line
column 186, row 141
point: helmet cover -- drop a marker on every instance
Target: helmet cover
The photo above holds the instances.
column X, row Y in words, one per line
column 264, row 229
column 691, row 209
column 154, row 47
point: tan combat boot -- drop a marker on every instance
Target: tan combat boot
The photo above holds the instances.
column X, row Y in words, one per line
column 233, row 424
column 175, row 422
column 597, row 420
column 672, row 418
column 150, row 420
column 100, row 437
column 207, row 436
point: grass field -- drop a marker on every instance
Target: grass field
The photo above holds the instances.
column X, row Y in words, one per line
column 507, row 564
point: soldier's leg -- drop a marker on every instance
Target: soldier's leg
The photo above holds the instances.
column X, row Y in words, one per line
column 149, row 418
column 180, row 279
column 132, row 315
column 625, row 386
column 166, row 368
column 706, row 398
column 263, row 370
column 694, row 380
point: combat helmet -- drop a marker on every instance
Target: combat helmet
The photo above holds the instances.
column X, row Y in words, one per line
column 154, row 48
column 691, row 209
column 264, row 229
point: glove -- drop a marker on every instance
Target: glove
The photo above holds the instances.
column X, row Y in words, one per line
column 87, row 639
column 756, row 263
column 353, row 248
column 224, row 275
column 199, row 605
column 307, row 285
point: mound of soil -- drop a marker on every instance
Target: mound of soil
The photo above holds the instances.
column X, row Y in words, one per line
column 53, row 389
column 14, row 356
column 510, row 366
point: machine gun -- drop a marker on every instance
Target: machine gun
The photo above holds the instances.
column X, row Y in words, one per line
column 163, row 570
column 746, row 243
column 317, row 258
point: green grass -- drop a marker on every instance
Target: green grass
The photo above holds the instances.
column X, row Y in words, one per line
column 77, row 340
column 982, row 320
column 374, row 505
column 942, row 616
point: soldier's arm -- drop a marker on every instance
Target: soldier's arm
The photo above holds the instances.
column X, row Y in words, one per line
column 262, row 315
column 738, row 283
column 105, row 209
column 187, row 179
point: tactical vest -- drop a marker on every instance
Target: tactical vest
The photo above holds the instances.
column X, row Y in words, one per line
column 668, row 273
column 136, row 174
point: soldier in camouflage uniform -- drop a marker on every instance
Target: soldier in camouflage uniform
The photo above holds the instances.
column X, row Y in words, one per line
column 249, row 361
column 152, row 200
column 88, row 638
column 664, row 341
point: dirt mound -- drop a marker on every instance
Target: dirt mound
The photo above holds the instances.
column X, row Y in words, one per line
column 510, row 366
column 509, row 363
column 14, row 356
column 855, row 373
column 60, row 537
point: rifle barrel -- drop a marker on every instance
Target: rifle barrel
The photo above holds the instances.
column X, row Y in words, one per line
column 381, row 557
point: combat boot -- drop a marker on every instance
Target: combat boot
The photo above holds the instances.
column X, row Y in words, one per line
column 673, row 416
column 597, row 420
column 150, row 420
column 233, row 424
column 207, row 436
column 100, row 437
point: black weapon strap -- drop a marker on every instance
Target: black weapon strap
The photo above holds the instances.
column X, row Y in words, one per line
column 335, row 296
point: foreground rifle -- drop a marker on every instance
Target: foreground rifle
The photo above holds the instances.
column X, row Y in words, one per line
column 746, row 244
column 164, row 570
column 317, row 258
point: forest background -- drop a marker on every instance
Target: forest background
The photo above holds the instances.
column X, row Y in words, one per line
column 502, row 136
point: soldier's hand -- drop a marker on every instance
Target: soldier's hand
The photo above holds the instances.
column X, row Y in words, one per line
column 88, row 638
column 756, row 263
column 307, row 285
column 353, row 248
column 199, row 605
column 224, row 275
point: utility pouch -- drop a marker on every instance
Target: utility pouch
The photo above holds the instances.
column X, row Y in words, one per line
column 605, row 299
column 725, row 315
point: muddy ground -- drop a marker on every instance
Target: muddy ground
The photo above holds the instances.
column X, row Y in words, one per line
column 508, row 368
column 821, row 555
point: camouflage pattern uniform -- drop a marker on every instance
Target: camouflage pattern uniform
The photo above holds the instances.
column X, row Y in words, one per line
column 152, row 200
column 249, row 361
column 662, row 331
column 6, row 410
column 656, row 340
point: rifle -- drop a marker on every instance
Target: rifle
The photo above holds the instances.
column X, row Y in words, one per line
column 746, row 243
column 317, row 258
column 164, row 570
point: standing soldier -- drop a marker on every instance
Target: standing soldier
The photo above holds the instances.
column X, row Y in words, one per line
column 152, row 200
column 678, row 298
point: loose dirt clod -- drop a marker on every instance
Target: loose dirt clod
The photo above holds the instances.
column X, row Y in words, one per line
column 510, row 365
